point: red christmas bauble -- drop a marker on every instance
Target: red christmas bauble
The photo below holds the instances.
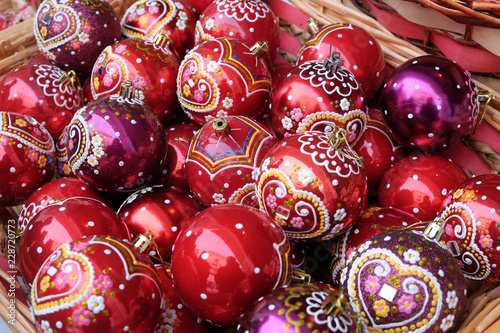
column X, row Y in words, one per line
column 360, row 51
column 236, row 254
column 223, row 160
column 250, row 21
column 312, row 189
column 26, row 157
column 72, row 33
column 472, row 227
column 151, row 67
column 314, row 97
column 87, row 92
column 43, row 92
column 198, row 6
column 418, row 185
column 223, row 77
column 97, row 284
column 145, row 18
column 63, row 222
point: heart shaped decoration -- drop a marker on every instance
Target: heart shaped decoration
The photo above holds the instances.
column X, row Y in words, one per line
column 146, row 18
column 110, row 70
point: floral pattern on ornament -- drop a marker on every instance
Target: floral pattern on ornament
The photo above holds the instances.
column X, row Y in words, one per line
column 250, row 11
column 315, row 308
column 341, row 81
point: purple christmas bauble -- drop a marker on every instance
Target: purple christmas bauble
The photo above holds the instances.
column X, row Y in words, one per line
column 429, row 103
column 116, row 144
column 72, row 33
column 403, row 281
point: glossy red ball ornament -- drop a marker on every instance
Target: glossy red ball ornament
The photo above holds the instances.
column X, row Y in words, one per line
column 150, row 66
column 223, row 160
column 378, row 150
column 429, row 103
column 419, row 184
column 72, row 33
column 146, row 18
column 198, row 6
column 62, row 222
column 315, row 96
column 116, row 144
column 250, row 21
column 26, row 157
column 57, row 189
column 360, row 51
column 163, row 211
column 226, row 258
column 472, row 227
column 223, row 77
column 312, row 188
column 43, row 92
column 97, row 284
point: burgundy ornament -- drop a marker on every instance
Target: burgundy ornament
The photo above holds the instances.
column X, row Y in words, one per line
column 223, row 77
column 235, row 255
column 57, row 189
column 360, row 51
column 72, row 33
column 97, row 284
column 87, row 92
column 472, row 227
column 116, row 143
column 419, row 184
column 150, row 66
column 63, row 222
column 26, row 157
column 315, row 96
column 430, row 103
column 311, row 185
column 223, row 160
column 146, row 18
column 250, row 21
column 43, row 92
column 163, row 211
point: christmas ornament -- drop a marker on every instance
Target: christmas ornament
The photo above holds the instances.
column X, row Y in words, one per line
column 250, row 21
column 116, row 143
column 44, row 92
column 26, row 157
column 87, row 92
column 223, row 77
column 72, row 33
column 372, row 221
column 63, row 222
column 150, row 66
column 198, row 6
column 57, row 189
column 163, row 211
column 360, row 51
column 471, row 223
column 236, row 254
column 223, row 160
column 318, row 96
column 312, row 185
column 63, row 169
column 418, row 185
column 297, row 254
column 429, row 103
column 97, row 283
column 404, row 281
column 146, row 18
column 300, row 308
column 378, row 150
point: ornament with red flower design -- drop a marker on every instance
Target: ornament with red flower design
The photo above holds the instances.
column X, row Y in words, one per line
column 72, row 33
column 26, row 157
column 96, row 283
column 312, row 185
column 223, row 77
column 146, row 18
column 318, row 96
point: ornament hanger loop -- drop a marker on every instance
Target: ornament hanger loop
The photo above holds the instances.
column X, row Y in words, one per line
column 68, row 78
column 127, row 90
column 333, row 61
column 483, row 97
column 435, row 229
column 145, row 243
column 338, row 140
column 299, row 276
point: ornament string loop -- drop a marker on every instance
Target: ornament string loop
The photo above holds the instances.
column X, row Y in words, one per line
column 483, row 97
column 333, row 61
column 338, row 140
column 337, row 304
column 220, row 126
column 145, row 243
column 299, row 276
column 69, row 78
column 435, row 229
column 127, row 90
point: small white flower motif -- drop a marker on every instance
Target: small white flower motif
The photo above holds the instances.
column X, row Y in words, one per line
column 96, row 140
column 218, row 198
column 131, row 198
column 96, row 304
column 266, row 163
column 46, row 327
column 364, row 246
column 452, row 299
column 447, row 323
column 221, row 113
column 255, row 174
column 164, row 328
column 179, row 5
column 340, row 214
column 343, row 275
column 181, row 24
column 287, row 123
column 92, row 160
column 139, row 94
column 169, row 316
column 336, row 229
column 98, row 152
column 182, row 16
column 209, row 24
column 50, row 55
column 344, row 104
column 212, row 66
column 412, row 256
column 83, row 38
column 305, row 177
column 227, row 102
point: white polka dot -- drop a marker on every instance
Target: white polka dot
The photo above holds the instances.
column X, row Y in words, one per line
column 271, row 307
column 226, row 185
column 91, row 223
column 416, row 210
column 179, row 306
column 395, row 85
column 203, row 296
column 162, row 80
column 117, row 133
column 441, row 273
column 199, row 173
column 121, row 163
column 320, row 99
column 405, row 224
column 143, row 208
column 494, row 265
column 335, row 182
column 355, row 66
column 23, row 185
column 388, row 186
column 138, row 60
column 39, row 249
column 356, row 231
column 167, row 201
column 107, row 251
column 430, row 135
column 62, row 209
column 126, row 214
column 174, row 228
column 492, row 210
column 125, row 328
column 458, row 86
column 251, row 29
column 483, row 197
column 415, row 177
column 188, row 233
column 239, row 226
column 204, row 256
column 339, row 35
column 12, row 169
column 410, row 115
column 479, row 182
